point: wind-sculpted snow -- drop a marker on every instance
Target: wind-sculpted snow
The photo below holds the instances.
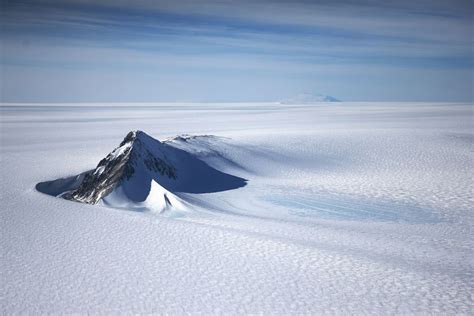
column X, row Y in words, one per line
column 349, row 208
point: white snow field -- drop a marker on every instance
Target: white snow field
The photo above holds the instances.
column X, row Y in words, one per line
column 363, row 208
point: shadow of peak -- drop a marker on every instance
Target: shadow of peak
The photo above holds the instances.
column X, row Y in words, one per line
column 196, row 176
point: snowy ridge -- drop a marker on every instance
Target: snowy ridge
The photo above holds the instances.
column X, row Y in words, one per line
column 143, row 173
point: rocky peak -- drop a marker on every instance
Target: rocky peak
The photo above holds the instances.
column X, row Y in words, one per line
column 138, row 152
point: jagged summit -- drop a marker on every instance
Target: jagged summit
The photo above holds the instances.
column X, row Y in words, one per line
column 143, row 173
column 137, row 150
column 309, row 98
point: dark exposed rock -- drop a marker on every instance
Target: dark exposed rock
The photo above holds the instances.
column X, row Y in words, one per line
column 118, row 166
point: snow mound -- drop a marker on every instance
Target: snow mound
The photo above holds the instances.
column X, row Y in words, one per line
column 143, row 173
column 309, row 98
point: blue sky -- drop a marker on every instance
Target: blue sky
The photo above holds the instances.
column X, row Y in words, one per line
column 146, row 51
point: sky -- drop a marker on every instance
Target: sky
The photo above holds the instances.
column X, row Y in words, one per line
column 235, row 51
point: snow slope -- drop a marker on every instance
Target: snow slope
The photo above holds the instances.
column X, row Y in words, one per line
column 353, row 208
column 142, row 173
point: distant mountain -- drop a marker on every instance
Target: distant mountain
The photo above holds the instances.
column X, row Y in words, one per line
column 309, row 98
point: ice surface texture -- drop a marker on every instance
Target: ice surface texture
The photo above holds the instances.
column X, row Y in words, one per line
column 349, row 208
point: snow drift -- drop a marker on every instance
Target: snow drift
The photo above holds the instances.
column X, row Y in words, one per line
column 143, row 173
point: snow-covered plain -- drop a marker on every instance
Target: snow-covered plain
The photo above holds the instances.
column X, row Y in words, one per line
column 348, row 208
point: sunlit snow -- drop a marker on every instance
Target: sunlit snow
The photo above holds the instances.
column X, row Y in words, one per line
column 347, row 208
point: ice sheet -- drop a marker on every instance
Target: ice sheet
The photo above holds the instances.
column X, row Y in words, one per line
column 349, row 208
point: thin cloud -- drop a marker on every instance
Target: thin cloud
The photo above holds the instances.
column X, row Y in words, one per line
column 291, row 39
